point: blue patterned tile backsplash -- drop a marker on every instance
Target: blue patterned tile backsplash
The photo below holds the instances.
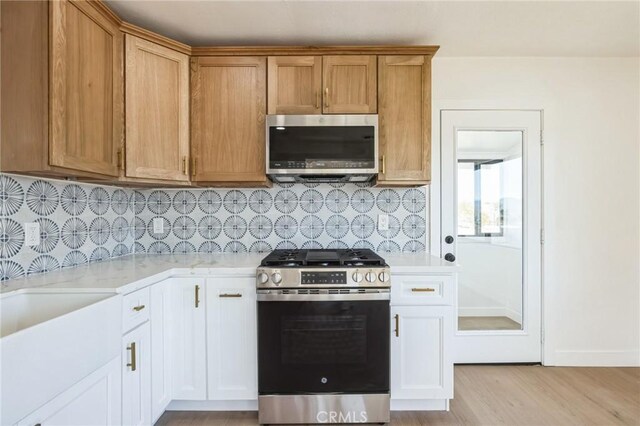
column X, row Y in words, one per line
column 82, row 223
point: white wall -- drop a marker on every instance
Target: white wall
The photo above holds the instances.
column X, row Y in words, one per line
column 591, row 191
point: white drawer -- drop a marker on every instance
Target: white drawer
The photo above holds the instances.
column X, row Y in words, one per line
column 135, row 309
column 422, row 289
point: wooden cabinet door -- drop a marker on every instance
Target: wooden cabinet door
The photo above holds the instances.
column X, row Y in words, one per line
column 232, row 339
column 189, row 358
column 404, row 114
column 86, row 89
column 136, row 377
column 421, row 366
column 295, row 84
column 349, row 84
column 157, row 111
column 228, row 119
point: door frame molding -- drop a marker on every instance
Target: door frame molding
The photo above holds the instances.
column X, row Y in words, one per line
column 435, row 189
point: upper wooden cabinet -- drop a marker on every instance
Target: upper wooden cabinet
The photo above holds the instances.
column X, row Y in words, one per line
column 404, row 114
column 339, row 84
column 295, row 85
column 62, row 89
column 228, row 120
column 86, row 89
column 349, row 83
column 157, row 111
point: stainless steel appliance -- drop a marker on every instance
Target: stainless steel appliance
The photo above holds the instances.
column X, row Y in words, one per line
column 323, row 337
column 322, row 148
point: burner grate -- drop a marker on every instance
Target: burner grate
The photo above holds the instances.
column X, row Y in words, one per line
column 323, row 258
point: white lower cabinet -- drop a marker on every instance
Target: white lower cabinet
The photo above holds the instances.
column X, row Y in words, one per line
column 161, row 347
column 195, row 339
column 232, row 338
column 95, row 400
column 188, row 331
column 421, row 366
column 136, row 376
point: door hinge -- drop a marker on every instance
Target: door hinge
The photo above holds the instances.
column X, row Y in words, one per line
column 541, row 137
column 542, row 236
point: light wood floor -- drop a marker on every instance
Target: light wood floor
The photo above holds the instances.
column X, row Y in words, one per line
column 503, row 395
column 487, row 323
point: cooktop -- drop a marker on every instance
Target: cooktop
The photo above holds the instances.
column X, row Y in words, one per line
column 323, row 257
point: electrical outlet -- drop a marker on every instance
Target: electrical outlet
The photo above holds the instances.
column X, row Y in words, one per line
column 158, row 225
column 31, row 234
column 383, row 222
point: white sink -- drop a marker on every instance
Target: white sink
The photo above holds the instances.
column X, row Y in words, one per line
column 23, row 310
column 49, row 340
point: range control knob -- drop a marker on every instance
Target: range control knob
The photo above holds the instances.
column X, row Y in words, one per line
column 263, row 278
column 383, row 277
column 371, row 277
column 357, row 277
column 276, row 278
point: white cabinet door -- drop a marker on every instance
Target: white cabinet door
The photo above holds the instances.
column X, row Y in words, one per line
column 232, row 338
column 95, row 400
column 189, row 360
column 160, row 348
column 136, row 376
column 420, row 364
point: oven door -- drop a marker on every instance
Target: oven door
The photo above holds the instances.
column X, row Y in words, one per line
column 323, row 346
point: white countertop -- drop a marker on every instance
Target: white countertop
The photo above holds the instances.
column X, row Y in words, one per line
column 129, row 273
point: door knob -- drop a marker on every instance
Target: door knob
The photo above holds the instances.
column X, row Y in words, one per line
column 448, row 239
column 449, row 257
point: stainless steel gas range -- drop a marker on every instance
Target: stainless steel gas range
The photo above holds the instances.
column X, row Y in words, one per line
column 323, row 337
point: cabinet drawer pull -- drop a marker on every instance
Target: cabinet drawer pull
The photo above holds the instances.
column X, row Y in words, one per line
column 138, row 308
column 326, row 97
column 230, row 295
column 197, row 296
column 194, row 165
column 132, row 348
column 184, row 165
column 426, row 289
column 317, row 99
column 397, row 330
column 382, row 166
column 119, row 160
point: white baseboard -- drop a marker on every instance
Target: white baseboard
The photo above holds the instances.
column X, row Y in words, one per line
column 595, row 359
column 498, row 311
column 419, row 405
column 244, row 405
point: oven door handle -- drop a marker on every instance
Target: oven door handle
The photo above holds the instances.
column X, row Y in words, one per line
column 293, row 297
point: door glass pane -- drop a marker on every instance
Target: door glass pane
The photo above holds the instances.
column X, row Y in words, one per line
column 489, row 249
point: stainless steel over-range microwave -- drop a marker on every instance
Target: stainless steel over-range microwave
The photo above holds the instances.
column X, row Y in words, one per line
column 322, row 148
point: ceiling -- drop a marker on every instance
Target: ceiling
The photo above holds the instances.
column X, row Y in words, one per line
column 461, row 28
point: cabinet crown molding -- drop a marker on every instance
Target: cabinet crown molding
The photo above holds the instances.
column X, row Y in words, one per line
column 313, row 50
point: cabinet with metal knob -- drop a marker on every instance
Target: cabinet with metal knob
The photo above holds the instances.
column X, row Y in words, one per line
column 188, row 355
column 423, row 320
column 231, row 339
column 136, row 376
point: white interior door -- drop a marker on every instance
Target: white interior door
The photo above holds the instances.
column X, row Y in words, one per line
column 491, row 225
